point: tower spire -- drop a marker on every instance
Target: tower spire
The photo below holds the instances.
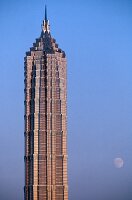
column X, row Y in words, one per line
column 45, row 25
column 46, row 13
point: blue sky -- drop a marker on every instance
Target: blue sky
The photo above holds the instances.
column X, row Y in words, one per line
column 97, row 39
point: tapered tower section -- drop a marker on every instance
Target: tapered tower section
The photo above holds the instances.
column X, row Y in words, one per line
column 45, row 120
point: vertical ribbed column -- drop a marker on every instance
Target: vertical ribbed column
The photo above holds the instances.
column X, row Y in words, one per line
column 53, row 124
column 27, row 131
column 63, row 96
column 60, row 149
column 36, row 127
column 43, row 171
column 49, row 129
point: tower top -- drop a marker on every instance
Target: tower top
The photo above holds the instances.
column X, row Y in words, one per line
column 46, row 25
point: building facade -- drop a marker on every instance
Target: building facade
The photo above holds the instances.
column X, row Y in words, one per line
column 45, row 119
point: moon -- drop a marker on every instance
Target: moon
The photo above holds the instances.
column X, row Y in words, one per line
column 118, row 162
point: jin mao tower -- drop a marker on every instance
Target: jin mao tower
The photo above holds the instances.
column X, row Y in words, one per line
column 45, row 119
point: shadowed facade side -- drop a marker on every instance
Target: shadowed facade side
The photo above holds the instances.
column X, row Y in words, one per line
column 45, row 120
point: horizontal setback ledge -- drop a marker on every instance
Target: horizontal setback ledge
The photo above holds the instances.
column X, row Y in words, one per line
column 43, row 131
column 64, row 186
column 44, row 156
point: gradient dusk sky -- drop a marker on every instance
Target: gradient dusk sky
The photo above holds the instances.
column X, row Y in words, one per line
column 97, row 38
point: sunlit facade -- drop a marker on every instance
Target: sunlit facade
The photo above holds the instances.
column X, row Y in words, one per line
column 45, row 120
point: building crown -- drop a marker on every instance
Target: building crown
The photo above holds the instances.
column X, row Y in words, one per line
column 46, row 25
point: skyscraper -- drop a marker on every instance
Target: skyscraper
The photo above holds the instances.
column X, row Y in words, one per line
column 45, row 120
